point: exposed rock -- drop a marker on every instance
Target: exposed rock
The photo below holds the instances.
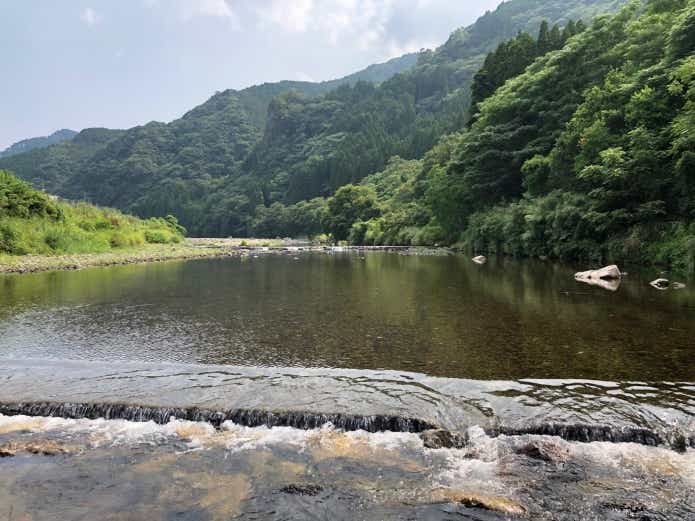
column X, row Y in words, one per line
column 41, row 447
column 545, row 450
column 606, row 273
column 302, row 489
column 480, row 259
column 661, row 284
column 443, row 439
column 608, row 277
column 474, row 500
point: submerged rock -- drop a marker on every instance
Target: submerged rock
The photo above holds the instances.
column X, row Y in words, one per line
column 475, row 500
column 678, row 285
column 660, row 284
column 443, row 439
column 480, row 259
column 302, row 489
column 608, row 277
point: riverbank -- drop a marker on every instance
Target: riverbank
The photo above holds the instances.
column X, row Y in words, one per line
column 194, row 248
column 140, row 254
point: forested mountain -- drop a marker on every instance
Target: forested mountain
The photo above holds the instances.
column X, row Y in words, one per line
column 311, row 147
column 587, row 154
column 156, row 168
column 223, row 165
column 26, row 145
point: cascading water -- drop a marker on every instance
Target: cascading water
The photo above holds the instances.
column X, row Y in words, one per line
column 309, row 399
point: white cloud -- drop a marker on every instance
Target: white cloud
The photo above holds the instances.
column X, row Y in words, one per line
column 302, row 76
column 290, row 16
column 90, row 17
column 395, row 49
column 189, row 9
column 361, row 22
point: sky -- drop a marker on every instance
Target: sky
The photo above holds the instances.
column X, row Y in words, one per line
column 120, row 63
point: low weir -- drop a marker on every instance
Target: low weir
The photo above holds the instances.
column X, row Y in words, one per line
column 351, row 400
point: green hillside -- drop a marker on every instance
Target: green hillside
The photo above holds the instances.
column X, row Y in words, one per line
column 227, row 161
column 588, row 154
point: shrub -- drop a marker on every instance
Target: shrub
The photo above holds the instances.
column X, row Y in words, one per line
column 118, row 240
column 52, row 238
column 158, row 237
column 20, row 199
column 9, row 239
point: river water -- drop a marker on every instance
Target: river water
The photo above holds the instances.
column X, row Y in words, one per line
column 345, row 386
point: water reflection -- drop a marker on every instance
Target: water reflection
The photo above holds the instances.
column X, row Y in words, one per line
column 442, row 316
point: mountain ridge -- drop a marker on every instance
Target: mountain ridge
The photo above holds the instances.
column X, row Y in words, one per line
column 221, row 162
column 25, row 145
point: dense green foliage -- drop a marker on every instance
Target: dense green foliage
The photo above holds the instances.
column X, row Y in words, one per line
column 26, row 145
column 349, row 205
column 513, row 56
column 226, row 166
column 32, row 222
column 586, row 154
column 589, row 153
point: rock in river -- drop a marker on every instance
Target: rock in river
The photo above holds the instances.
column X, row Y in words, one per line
column 480, row 259
column 475, row 500
column 443, row 439
column 608, row 277
column 660, row 283
column 40, row 447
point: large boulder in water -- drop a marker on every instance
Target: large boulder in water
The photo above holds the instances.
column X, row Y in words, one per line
column 608, row 277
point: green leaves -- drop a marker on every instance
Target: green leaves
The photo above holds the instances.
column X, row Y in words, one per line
column 349, row 205
column 19, row 199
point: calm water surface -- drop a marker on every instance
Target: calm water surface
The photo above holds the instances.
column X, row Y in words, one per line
column 442, row 316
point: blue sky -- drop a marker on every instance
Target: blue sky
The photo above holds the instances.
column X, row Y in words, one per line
column 120, row 63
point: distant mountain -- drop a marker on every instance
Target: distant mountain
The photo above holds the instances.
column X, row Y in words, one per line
column 281, row 143
column 256, row 99
column 144, row 167
column 38, row 142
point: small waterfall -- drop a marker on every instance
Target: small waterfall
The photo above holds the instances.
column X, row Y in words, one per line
column 577, row 432
column 587, row 433
column 246, row 417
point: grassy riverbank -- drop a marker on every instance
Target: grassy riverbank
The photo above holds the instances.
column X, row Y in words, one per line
column 133, row 255
column 39, row 232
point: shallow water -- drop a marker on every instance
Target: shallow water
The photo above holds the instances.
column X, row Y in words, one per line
column 299, row 387
column 442, row 316
column 185, row 470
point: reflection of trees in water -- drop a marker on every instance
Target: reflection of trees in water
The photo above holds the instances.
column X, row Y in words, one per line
column 439, row 315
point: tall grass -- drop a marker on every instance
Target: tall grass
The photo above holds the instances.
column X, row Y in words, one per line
column 32, row 223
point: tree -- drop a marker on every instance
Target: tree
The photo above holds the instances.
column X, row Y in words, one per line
column 544, row 38
column 349, row 204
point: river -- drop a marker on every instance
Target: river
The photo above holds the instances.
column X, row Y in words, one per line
column 355, row 385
